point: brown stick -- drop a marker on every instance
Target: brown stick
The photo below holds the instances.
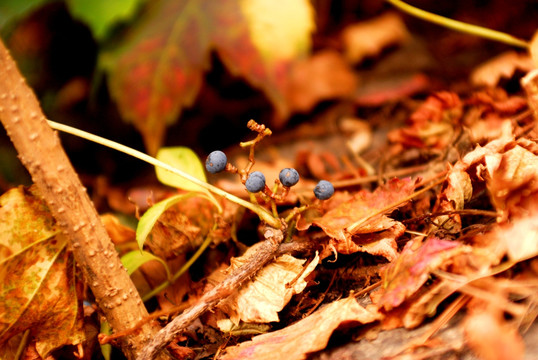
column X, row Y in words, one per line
column 265, row 251
column 42, row 154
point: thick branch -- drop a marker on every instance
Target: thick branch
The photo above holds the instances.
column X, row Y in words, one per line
column 42, row 154
column 265, row 251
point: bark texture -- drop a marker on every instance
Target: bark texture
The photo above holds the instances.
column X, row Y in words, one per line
column 41, row 153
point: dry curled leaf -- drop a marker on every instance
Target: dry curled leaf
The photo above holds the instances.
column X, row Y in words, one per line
column 513, row 185
column 377, row 235
column 269, row 291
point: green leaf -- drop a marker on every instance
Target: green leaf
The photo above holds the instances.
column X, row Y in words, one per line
column 106, row 349
column 150, row 217
column 184, row 159
column 102, row 15
column 13, row 9
column 136, row 258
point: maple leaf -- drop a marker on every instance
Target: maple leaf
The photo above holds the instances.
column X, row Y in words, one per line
column 382, row 231
column 37, row 279
column 404, row 276
column 305, row 336
column 159, row 69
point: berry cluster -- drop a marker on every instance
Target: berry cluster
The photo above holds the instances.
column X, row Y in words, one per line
column 255, row 181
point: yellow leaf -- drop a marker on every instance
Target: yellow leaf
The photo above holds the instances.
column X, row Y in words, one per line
column 279, row 30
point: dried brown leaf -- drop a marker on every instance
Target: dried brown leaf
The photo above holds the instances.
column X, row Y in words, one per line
column 323, row 76
column 404, row 276
column 501, row 66
column 382, row 231
column 369, row 38
column 267, row 293
column 37, row 279
column 310, row 334
column 513, row 185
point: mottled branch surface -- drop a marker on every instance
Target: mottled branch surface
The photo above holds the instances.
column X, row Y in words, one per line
column 42, row 154
column 265, row 251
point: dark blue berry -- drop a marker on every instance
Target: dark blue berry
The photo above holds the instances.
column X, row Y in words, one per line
column 255, row 182
column 216, row 162
column 324, row 190
column 288, row 177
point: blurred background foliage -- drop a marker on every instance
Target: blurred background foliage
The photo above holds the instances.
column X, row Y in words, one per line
column 59, row 46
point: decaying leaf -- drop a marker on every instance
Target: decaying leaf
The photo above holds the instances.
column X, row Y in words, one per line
column 159, row 69
column 513, row 184
column 261, row 299
column 382, row 231
column 432, row 124
column 478, row 165
column 37, row 275
column 305, row 336
column 404, row 276
column 369, row 38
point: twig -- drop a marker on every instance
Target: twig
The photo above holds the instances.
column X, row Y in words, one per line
column 265, row 251
column 42, row 154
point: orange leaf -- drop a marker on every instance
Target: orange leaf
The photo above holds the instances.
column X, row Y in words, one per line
column 305, row 336
column 382, row 230
column 411, row 269
column 369, row 38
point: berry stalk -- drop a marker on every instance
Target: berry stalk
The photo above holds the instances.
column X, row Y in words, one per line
column 460, row 26
column 264, row 215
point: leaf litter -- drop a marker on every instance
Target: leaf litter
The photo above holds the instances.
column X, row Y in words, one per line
column 468, row 243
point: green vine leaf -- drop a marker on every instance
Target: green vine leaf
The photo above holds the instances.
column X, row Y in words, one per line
column 186, row 160
column 102, row 15
column 136, row 258
column 150, row 217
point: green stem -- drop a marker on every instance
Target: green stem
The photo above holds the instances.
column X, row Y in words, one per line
column 460, row 26
column 264, row 215
column 180, row 272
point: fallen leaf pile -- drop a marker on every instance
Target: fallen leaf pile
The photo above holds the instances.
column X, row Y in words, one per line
column 433, row 224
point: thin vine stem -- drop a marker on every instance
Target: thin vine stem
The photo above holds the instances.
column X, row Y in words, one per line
column 184, row 268
column 460, row 26
column 264, row 215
